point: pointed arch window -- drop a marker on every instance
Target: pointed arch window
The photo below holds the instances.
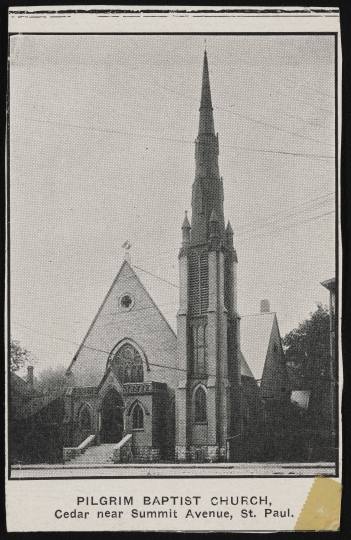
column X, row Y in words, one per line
column 199, row 336
column 127, row 364
column 200, row 405
column 138, row 417
column 85, row 418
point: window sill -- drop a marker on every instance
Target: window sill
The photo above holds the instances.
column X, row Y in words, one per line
column 138, row 429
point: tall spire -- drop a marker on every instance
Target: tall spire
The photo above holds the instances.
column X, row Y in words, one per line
column 206, row 124
column 207, row 188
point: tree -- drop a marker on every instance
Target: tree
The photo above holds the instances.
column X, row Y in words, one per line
column 52, row 380
column 307, row 347
column 19, row 356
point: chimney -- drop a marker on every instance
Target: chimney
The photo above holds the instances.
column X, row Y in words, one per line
column 265, row 307
column 30, row 377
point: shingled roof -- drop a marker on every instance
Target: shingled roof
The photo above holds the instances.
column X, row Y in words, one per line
column 255, row 333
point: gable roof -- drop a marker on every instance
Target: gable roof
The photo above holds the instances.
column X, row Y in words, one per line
column 164, row 295
column 111, row 324
column 19, row 385
column 153, row 282
column 255, row 333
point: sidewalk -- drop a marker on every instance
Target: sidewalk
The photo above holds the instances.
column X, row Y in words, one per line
column 172, row 470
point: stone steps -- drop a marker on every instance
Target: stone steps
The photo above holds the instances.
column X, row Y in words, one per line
column 95, row 455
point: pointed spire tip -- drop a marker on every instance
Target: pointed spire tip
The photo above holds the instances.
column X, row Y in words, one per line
column 229, row 229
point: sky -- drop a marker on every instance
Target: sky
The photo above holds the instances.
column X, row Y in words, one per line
column 102, row 132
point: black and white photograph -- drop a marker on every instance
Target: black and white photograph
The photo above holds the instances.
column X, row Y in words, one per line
column 173, row 255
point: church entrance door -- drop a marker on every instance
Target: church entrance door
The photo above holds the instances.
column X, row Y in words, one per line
column 112, row 417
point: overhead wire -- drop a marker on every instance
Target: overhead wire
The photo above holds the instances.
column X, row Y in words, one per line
column 218, row 108
column 294, row 209
column 281, row 229
column 96, row 349
column 248, row 117
column 263, row 224
column 182, row 141
column 191, row 142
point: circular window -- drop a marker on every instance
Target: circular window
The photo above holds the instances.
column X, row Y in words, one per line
column 126, row 301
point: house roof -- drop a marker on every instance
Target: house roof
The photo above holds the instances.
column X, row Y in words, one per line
column 36, row 404
column 245, row 370
column 21, row 386
column 255, row 333
column 329, row 284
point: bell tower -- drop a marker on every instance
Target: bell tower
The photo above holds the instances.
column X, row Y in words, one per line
column 207, row 397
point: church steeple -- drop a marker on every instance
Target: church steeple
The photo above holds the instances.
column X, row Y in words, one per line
column 207, row 188
column 208, row 323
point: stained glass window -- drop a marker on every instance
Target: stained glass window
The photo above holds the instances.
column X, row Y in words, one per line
column 127, row 365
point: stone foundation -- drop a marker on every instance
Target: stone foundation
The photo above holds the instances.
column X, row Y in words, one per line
column 145, row 454
column 204, row 454
column 199, row 454
column 181, row 454
column 222, row 453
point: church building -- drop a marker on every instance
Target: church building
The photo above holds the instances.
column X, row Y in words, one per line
column 184, row 394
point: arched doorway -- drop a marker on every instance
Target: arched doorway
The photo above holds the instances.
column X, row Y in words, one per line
column 112, row 417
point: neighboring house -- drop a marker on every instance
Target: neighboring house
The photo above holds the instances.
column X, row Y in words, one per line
column 330, row 284
column 316, row 401
column 35, row 422
column 330, row 388
column 262, row 349
column 21, row 391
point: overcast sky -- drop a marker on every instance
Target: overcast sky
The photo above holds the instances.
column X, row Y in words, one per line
column 102, row 150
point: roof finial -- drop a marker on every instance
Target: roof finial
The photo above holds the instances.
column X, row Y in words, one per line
column 186, row 224
column 205, row 44
column 127, row 245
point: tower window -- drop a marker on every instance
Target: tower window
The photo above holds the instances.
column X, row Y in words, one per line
column 138, row 417
column 199, row 350
column 200, row 405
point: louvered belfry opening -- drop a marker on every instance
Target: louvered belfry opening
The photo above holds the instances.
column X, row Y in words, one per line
column 204, row 282
column 198, row 283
